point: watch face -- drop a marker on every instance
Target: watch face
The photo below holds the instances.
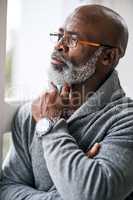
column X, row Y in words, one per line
column 43, row 126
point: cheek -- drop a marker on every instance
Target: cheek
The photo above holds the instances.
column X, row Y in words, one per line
column 78, row 55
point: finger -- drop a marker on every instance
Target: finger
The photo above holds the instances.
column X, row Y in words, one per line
column 65, row 94
column 44, row 101
column 94, row 150
column 53, row 93
column 65, row 90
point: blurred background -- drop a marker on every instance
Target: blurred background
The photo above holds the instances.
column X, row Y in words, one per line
column 28, row 46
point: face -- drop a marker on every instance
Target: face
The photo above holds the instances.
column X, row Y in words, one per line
column 69, row 63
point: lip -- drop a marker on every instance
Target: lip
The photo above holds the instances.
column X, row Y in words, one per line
column 56, row 61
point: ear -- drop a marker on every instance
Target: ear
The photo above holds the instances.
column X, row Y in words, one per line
column 111, row 57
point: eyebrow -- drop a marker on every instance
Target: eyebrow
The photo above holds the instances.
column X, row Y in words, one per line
column 70, row 32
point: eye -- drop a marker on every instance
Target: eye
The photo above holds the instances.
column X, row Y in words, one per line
column 73, row 41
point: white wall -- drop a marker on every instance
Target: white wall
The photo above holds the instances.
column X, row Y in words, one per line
column 38, row 19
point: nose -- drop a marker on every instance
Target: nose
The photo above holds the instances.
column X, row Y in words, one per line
column 62, row 46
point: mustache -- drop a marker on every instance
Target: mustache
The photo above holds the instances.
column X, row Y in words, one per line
column 59, row 56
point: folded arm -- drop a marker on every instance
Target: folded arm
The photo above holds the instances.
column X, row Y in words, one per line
column 107, row 176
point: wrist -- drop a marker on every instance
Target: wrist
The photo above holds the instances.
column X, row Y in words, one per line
column 44, row 126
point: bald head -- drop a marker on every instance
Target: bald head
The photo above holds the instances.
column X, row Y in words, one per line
column 102, row 25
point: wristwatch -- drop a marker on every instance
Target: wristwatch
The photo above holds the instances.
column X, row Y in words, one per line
column 43, row 126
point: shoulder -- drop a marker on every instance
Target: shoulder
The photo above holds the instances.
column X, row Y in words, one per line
column 22, row 114
column 119, row 107
column 119, row 116
column 23, row 123
column 123, row 107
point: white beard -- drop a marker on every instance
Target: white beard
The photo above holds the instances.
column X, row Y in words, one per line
column 72, row 74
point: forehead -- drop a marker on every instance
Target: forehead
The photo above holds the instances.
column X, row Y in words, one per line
column 74, row 23
column 77, row 23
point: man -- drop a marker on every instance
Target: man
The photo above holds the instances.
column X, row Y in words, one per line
column 85, row 106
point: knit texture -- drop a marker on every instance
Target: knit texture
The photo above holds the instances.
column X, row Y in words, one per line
column 56, row 166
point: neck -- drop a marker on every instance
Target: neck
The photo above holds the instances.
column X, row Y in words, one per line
column 81, row 92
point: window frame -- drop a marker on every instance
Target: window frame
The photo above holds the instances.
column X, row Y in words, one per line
column 8, row 108
column 3, row 16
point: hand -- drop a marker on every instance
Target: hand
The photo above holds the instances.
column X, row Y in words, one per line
column 52, row 104
column 93, row 151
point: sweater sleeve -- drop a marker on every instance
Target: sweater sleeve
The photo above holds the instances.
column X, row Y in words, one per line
column 17, row 182
column 109, row 175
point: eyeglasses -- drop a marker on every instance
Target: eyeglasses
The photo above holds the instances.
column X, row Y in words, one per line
column 72, row 40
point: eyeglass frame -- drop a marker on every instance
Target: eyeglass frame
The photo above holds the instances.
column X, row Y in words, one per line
column 85, row 42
